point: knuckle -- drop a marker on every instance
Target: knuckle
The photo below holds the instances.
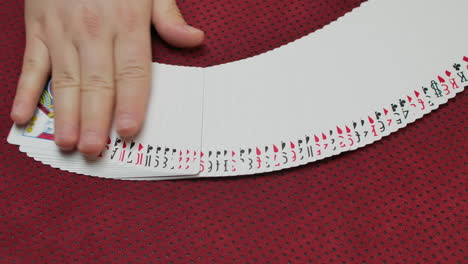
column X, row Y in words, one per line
column 65, row 80
column 97, row 83
column 50, row 26
column 46, row 23
column 132, row 71
column 132, row 17
column 31, row 64
column 90, row 23
column 129, row 20
column 36, row 28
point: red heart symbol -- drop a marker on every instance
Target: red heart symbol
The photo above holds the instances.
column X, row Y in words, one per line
column 316, row 138
column 339, row 130
column 448, row 73
column 258, row 152
column 275, row 148
column 140, row 147
column 292, row 145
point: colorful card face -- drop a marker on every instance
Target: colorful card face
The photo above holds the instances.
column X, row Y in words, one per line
column 42, row 124
column 341, row 88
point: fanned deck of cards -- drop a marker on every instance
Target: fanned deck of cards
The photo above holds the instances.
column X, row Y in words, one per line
column 364, row 76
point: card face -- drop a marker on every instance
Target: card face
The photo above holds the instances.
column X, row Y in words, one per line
column 40, row 129
column 42, row 123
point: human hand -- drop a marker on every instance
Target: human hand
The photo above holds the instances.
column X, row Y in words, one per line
column 99, row 55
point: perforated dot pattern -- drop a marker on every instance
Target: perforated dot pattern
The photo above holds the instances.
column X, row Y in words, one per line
column 400, row 200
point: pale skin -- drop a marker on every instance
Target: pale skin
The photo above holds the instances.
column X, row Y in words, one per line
column 98, row 53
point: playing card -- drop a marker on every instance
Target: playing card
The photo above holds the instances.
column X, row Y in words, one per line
column 343, row 87
column 175, row 112
column 101, row 171
column 308, row 84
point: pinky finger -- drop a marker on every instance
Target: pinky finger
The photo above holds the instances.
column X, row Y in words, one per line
column 34, row 74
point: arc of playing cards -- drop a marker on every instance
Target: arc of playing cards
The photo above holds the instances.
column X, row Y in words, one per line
column 364, row 76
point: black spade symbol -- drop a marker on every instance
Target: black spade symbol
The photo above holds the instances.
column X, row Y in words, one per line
column 402, row 103
column 378, row 115
column 149, row 149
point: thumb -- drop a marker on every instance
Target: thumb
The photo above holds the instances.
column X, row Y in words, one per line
column 172, row 27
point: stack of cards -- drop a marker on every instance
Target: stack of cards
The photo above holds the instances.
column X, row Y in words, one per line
column 373, row 71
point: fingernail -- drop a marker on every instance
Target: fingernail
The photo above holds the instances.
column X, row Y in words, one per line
column 125, row 124
column 191, row 29
column 89, row 141
column 17, row 110
column 65, row 137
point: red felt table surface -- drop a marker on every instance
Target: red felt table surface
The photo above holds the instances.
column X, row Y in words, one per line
column 400, row 200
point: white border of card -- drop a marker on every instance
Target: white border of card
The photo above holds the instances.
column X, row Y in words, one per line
column 364, row 76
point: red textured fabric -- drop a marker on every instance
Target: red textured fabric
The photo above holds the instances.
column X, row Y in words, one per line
column 400, row 200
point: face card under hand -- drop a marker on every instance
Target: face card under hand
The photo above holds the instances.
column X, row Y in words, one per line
column 174, row 119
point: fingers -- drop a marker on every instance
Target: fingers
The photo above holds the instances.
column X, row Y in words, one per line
column 66, row 91
column 133, row 79
column 34, row 74
column 172, row 27
column 84, row 74
column 97, row 94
